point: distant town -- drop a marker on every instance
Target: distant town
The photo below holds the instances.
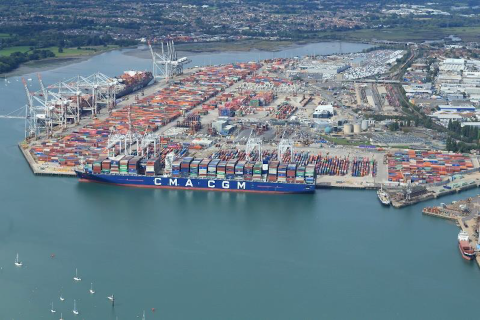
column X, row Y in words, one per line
column 58, row 29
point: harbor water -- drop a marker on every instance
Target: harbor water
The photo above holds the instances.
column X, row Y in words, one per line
column 337, row 254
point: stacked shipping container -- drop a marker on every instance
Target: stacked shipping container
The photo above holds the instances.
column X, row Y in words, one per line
column 425, row 166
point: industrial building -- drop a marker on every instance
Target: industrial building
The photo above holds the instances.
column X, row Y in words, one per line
column 467, row 108
column 324, row 111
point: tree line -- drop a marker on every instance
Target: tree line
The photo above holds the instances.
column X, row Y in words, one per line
column 15, row 59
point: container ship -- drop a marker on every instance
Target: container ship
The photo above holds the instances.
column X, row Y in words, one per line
column 464, row 246
column 131, row 81
column 202, row 174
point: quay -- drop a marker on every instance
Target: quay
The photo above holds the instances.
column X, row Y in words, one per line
column 466, row 215
column 42, row 170
column 403, row 197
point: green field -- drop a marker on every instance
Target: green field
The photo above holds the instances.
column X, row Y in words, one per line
column 67, row 52
column 84, row 51
column 9, row 50
column 343, row 141
column 4, row 35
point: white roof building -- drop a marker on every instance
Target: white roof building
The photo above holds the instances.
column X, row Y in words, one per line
column 324, row 108
column 445, row 115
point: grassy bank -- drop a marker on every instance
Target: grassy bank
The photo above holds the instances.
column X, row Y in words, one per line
column 67, row 52
column 83, row 51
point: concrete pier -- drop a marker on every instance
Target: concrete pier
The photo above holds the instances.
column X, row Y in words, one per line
column 44, row 170
column 465, row 213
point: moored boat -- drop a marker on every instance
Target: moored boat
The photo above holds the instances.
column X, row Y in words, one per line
column 131, row 81
column 467, row 251
column 77, row 278
column 383, row 197
column 196, row 183
column 18, row 263
column 202, row 174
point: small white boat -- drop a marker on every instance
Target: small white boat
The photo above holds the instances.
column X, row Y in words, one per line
column 91, row 288
column 18, row 263
column 62, row 298
column 75, row 311
column 77, row 278
column 52, row 310
column 383, row 196
column 111, row 298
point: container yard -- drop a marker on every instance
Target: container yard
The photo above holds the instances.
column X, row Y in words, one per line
column 425, row 166
column 323, row 164
column 146, row 115
column 219, row 113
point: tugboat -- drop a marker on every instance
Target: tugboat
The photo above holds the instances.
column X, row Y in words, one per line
column 464, row 246
column 383, row 197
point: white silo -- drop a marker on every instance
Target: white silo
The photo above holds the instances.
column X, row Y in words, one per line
column 364, row 125
column 347, row 128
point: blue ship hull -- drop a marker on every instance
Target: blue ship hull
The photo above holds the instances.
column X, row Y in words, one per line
column 196, row 183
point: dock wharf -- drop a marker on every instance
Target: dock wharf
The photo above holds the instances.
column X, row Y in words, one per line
column 466, row 215
column 41, row 170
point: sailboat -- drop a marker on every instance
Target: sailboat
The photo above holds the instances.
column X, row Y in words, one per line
column 62, row 298
column 143, row 318
column 75, row 311
column 61, row 316
column 111, row 298
column 77, row 278
column 53, row 310
column 91, row 288
column 18, row 263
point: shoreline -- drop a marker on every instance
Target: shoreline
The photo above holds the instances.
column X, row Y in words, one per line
column 52, row 63
column 251, row 45
column 188, row 47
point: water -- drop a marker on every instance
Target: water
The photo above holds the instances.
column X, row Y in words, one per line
column 203, row 255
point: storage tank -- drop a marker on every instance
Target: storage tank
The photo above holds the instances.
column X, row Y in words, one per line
column 328, row 130
column 364, row 125
column 357, row 128
column 347, row 128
